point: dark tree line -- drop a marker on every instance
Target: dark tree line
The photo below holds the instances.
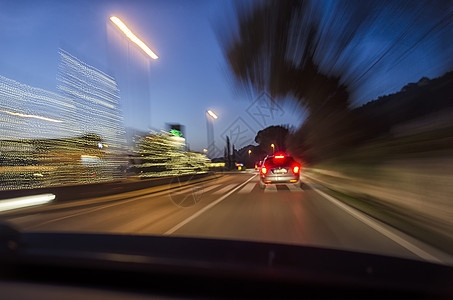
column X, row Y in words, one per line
column 295, row 49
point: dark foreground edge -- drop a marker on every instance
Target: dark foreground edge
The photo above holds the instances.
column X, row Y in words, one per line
column 207, row 268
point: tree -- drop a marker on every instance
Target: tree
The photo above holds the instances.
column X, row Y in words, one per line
column 228, row 162
column 233, row 157
column 275, row 135
column 274, row 51
column 163, row 154
column 225, row 155
column 284, row 48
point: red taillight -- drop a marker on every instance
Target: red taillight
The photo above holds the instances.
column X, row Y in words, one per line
column 296, row 169
column 263, row 170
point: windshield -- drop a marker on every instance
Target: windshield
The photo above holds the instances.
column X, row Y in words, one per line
column 153, row 118
column 279, row 161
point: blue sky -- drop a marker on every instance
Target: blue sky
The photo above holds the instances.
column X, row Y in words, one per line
column 189, row 76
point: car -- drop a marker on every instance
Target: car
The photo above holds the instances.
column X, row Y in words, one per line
column 258, row 165
column 279, row 168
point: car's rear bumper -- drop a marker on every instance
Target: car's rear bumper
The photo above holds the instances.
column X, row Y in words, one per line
column 280, row 178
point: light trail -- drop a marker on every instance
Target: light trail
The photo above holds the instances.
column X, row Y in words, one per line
column 132, row 37
column 26, row 201
column 30, row 116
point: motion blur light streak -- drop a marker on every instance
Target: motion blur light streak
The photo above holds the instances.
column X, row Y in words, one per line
column 132, row 37
column 96, row 98
column 164, row 154
column 212, row 114
column 210, row 117
column 19, row 100
column 21, row 202
column 46, row 136
column 31, row 116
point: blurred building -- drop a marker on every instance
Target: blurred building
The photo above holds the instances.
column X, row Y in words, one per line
column 94, row 96
column 30, row 163
column 73, row 136
column 28, row 112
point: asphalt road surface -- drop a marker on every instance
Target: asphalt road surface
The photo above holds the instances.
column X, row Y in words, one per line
column 231, row 206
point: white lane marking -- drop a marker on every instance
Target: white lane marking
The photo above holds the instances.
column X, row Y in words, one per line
column 225, row 189
column 379, row 228
column 207, row 189
column 183, row 191
column 271, row 188
column 248, row 188
column 191, row 189
column 294, row 188
column 197, row 214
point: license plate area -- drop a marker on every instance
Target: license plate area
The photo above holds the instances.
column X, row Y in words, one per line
column 280, row 171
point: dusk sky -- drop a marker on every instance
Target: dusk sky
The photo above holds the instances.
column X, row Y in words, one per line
column 190, row 75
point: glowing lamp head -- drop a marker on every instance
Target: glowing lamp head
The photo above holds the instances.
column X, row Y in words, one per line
column 132, row 37
column 212, row 114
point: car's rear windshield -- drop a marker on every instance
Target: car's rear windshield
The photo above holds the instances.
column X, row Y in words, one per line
column 284, row 161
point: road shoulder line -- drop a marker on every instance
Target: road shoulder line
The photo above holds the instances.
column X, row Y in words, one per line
column 379, row 228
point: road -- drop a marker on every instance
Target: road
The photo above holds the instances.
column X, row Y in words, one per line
column 231, row 206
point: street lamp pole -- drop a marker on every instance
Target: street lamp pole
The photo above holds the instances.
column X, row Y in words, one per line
column 210, row 117
column 273, row 148
column 133, row 38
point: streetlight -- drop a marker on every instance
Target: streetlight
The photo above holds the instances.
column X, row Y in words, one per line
column 205, row 150
column 250, row 152
column 273, row 148
column 132, row 37
column 210, row 117
column 212, row 114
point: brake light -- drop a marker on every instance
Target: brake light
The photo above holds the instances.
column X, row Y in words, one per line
column 263, row 170
column 279, row 156
column 296, row 169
